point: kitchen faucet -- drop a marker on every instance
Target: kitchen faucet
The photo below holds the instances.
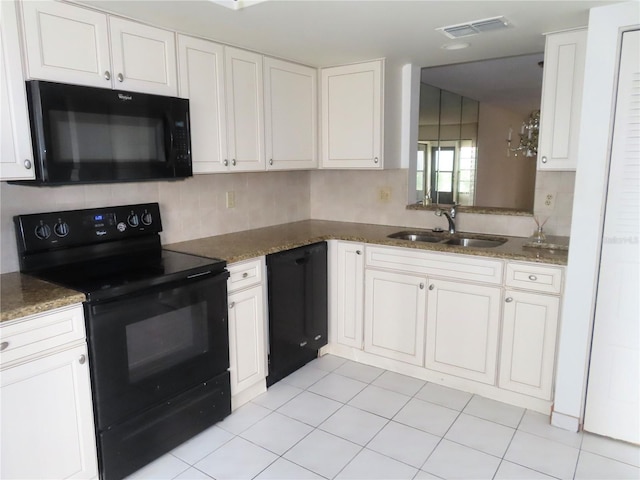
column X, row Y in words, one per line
column 451, row 214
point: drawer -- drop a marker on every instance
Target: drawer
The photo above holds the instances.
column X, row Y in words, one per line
column 36, row 333
column 538, row 278
column 447, row 265
column 245, row 274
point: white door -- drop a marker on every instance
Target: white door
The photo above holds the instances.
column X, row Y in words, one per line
column 202, row 82
column 245, row 110
column 143, row 57
column 65, row 43
column 348, row 293
column 290, row 111
column 47, row 418
column 527, row 354
column 247, row 356
column 352, row 116
column 16, row 157
column 394, row 315
column 613, row 395
column 463, row 322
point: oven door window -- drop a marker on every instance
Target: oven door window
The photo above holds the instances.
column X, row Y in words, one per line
column 146, row 348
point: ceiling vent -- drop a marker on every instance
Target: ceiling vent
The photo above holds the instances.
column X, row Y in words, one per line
column 474, row 28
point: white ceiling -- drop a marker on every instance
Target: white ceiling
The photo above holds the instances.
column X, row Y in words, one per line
column 331, row 32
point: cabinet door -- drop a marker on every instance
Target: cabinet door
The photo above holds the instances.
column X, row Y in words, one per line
column 65, row 43
column 247, row 358
column 348, row 293
column 144, row 58
column 564, row 59
column 47, row 418
column 527, row 357
column 352, row 116
column 202, row 82
column 290, row 115
column 16, row 157
column 394, row 315
column 245, row 110
column 463, row 322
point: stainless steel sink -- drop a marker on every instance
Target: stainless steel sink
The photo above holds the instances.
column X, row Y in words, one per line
column 414, row 236
column 475, row 242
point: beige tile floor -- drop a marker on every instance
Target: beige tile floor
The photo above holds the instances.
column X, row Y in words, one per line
column 340, row 419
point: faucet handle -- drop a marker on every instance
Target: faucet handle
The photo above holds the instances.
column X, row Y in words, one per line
column 453, row 210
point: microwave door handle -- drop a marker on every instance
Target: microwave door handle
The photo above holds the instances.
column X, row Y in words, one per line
column 168, row 139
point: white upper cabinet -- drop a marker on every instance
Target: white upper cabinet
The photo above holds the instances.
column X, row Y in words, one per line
column 16, row 156
column 143, row 58
column 245, row 110
column 202, row 82
column 290, row 106
column 70, row 44
column 563, row 76
column 352, row 115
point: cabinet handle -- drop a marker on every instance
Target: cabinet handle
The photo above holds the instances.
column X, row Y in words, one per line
column 508, row 299
column 233, row 162
column 271, row 161
column 303, row 344
column 107, row 75
column 358, row 252
column 245, row 275
column 533, row 278
column 82, row 360
column 422, row 286
column 27, row 164
column 226, row 162
column 4, row 346
column 544, row 159
column 120, row 77
column 232, row 304
column 432, row 286
column 375, row 160
column 317, row 337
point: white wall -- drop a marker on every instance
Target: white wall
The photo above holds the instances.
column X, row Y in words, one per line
column 588, row 210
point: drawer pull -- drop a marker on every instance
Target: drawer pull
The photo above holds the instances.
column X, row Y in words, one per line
column 533, row 278
column 508, row 299
column 82, row 359
column 245, row 275
column 303, row 344
column 4, row 346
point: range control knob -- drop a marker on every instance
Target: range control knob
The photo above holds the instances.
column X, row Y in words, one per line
column 121, row 227
column 61, row 228
column 147, row 218
column 133, row 220
column 43, row 231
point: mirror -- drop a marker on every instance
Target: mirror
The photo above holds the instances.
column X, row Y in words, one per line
column 470, row 120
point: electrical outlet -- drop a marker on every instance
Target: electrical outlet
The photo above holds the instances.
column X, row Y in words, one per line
column 231, row 199
column 549, row 200
column 384, row 194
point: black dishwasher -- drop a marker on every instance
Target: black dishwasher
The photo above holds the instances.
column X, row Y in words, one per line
column 297, row 281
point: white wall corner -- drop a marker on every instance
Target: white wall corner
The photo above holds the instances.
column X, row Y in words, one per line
column 410, row 104
column 566, row 422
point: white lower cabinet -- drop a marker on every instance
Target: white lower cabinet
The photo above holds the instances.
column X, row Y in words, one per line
column 47, row 427
column 463, row 322
column 347, row 292
column 394, row 315
column 529, row 343
column 247, row 318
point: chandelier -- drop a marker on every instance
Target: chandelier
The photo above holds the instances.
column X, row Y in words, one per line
column 528, row 145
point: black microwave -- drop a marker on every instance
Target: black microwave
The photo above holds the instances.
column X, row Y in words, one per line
column 95, row 135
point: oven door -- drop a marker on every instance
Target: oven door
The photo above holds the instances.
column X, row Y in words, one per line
column 149, row 347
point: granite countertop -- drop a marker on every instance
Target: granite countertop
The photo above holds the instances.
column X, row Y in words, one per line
column 235, row 247
column 22, row 295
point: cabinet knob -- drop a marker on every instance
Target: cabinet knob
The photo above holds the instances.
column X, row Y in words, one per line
column 226, row 162
column 358, row 252
column 82, row 360
column 533, row 278
column 432, row 286
column 245, row 275
column 508, row 299
column 107, row 75
column 120, row 77
column 375, row 160
column 233, row 162
column 232, row 304
column 4, row 346
column 271, row 161
column 422, row 286
column 303, row 344
column 544, row 160
column 27, row 164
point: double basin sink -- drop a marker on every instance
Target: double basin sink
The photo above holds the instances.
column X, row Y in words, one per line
column 456, row 239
